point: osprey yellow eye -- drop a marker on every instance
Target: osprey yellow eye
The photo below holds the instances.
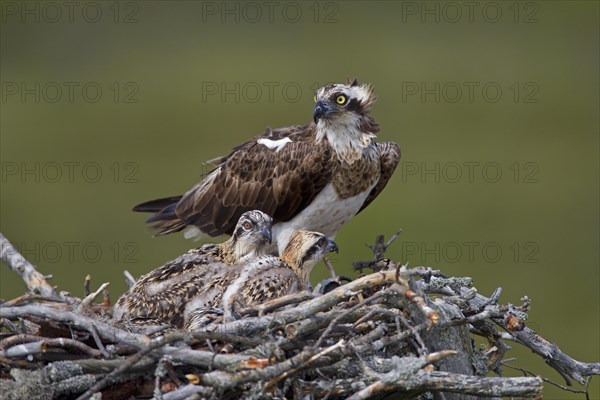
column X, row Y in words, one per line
column 341, row 99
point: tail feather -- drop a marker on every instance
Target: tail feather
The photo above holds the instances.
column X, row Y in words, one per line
column 157, row 205
column 165, row 218
column 166, row 214
column 162, row 228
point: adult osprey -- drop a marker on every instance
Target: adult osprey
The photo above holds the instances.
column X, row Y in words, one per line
column 313, row 177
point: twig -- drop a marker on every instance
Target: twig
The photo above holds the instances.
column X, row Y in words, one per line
column 379, row 248
column 422, row 349
column 129, row 279
column 98, row 342
column 35, row 281
column 456, row 383
column 186, row 391
column 552, row 354
column 327, row 263
column 529, row 373
column 105, row 331
column 89, row 299
column 422, row 305
column 17, row 339
column 248, row 326
column 224, row 380
column 105, row 298
column 159, row 342
column 42, row 346
column 274, row 304
column 86, row 285
column 159, row 373
column 361, row 304
column 306, row 363
column 28, row 298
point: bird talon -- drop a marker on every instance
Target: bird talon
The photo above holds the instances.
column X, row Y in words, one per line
column 330, row 284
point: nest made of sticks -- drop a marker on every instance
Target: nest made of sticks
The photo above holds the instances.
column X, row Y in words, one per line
column 402, row 331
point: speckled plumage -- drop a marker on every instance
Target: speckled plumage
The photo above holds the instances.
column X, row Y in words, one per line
column 266, row 278
column 182, row 292
column 285, row 173
column 164, row 292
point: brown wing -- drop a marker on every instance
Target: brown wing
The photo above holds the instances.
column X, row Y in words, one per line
column 278, row 182
column 188, row 262
column 164, row 292
column 389, row 156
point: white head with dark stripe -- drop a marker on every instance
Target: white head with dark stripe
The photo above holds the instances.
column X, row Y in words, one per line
column 304, row 250
column 341, row 115
column 251, row 236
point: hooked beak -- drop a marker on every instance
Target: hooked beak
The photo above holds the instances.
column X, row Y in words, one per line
column 266, row 233
column 322, row 109
column 332, row 246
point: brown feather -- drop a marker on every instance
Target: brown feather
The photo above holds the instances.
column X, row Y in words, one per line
column 254, row 176
column 284, row 180
column 389, row 156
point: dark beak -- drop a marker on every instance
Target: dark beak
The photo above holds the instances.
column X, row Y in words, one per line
column 266, row 233
column 332, row 246
column 322, row 109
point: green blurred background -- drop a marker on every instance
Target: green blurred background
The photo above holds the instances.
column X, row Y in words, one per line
column 500, row 183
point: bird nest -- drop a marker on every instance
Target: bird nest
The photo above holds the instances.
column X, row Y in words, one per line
column 397, row 330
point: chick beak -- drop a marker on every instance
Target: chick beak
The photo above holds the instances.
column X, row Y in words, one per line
column 266, row 233
column 332, row 246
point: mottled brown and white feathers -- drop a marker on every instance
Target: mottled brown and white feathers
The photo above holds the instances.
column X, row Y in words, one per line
column 180, row 292
column 163, row 293
column 312, row 177
column 271, row 277
column 251, row 238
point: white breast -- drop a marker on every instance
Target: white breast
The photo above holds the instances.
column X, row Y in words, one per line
column 326, row 214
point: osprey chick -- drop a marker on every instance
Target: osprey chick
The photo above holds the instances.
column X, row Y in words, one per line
column 271, row 277
column 312, row 177
column 264, row 279
column 162, row 293
column 180, row 292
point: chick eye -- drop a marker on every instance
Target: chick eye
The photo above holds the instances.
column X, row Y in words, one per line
column 322, row 242
column 341, row 99
column 247, row 226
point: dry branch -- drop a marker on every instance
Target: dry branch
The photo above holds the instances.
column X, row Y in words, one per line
column 561, row 362
column 397, row 331
column 36, row 282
